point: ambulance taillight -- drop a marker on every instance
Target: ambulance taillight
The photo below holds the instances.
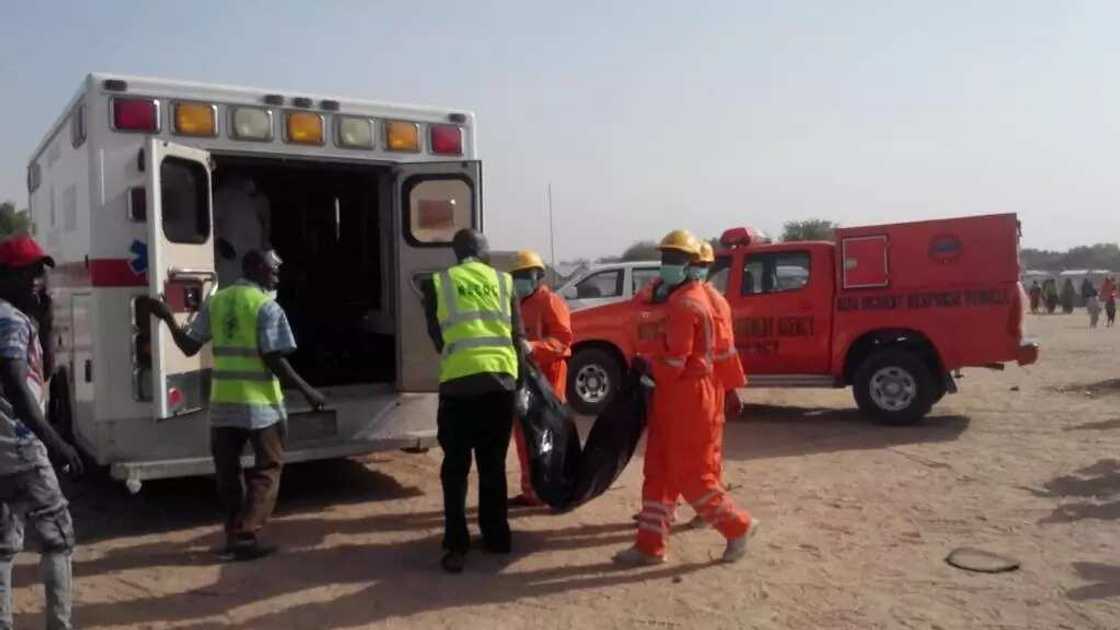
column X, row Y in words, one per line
column 175, row 398
column 196, row 119
column 401, row 135
column 135, row 114
column 446, row 139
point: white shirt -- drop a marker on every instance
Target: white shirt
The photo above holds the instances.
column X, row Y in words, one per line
column 241, row 220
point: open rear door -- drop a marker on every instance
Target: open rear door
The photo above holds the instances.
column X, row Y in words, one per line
column 180, row 268
column 432, row 201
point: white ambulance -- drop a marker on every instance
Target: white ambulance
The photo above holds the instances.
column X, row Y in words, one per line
column 362, row 200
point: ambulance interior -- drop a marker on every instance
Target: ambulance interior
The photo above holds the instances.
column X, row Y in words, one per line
column 325, row 225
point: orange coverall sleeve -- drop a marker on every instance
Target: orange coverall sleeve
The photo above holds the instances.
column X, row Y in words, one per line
column 679, row 342
column 556, row 341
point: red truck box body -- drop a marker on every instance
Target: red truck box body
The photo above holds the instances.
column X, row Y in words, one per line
column 954, row 280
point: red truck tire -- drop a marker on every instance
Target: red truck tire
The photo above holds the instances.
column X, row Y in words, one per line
column 594, row 375
column 895, row 386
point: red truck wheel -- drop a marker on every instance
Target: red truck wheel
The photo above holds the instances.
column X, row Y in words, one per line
column 593, row 377
column 894, row 386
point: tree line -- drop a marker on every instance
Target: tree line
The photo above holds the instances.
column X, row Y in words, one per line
column 13, row 221
column 1099, row 256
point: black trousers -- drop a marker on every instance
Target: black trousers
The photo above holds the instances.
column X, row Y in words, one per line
column 480, row 425
column 249, row 496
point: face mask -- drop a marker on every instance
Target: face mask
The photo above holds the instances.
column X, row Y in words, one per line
column 673, row 275
column 524, row 287
column 698, row 273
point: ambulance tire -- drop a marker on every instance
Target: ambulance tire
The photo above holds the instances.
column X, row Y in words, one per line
column 60, row 413
column 895, row 386
column 594, row 375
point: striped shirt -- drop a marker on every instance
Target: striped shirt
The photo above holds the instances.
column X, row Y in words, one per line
column 274, row 336
column 20, row 449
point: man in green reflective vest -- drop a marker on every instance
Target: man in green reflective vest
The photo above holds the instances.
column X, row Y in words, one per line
column 251, row 337
column 475, row 324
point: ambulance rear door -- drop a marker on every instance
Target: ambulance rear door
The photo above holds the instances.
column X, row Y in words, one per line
column 180, row 268
column 432, row 201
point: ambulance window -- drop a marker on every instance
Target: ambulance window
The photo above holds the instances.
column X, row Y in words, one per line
column 605, row 284
column 184, row 201
column 438, row 207
column 719, row 273
column 775, row 273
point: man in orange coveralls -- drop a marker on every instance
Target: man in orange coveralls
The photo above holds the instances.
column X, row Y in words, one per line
column 548, row 327
column 725, row 361
column 726, row 365
column 685, row 418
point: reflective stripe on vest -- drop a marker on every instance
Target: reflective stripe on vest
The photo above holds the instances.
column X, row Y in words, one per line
column 473, row 310
column 240, row 375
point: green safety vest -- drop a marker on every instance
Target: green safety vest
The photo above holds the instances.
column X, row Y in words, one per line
column 473, row 309
column 240, row 375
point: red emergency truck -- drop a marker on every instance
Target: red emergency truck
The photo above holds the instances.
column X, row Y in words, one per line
column 892, row 310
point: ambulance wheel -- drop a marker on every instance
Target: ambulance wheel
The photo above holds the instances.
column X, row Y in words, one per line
column 59, row 412
column 894, row 386
column 593, row 377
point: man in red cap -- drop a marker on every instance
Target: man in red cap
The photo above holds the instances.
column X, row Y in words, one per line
column 29, row 490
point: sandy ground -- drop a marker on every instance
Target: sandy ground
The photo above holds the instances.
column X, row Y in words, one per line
column 857, row 521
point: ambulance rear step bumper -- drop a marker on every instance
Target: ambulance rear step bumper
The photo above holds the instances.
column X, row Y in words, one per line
column 133, row 473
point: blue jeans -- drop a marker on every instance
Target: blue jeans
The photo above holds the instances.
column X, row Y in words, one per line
column 33, row 498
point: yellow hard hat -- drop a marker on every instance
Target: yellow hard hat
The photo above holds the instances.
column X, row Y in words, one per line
column 681, row 241
column 526, row 259
column 707, row 254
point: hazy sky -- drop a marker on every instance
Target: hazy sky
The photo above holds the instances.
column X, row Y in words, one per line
column 654, row 115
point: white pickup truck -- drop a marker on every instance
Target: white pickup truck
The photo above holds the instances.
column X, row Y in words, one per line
column 607, row 283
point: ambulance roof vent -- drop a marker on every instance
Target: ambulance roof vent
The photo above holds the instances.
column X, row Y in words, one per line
column 115, row 85
column 329, row 105
column 274, row 99
column 457, row 118
column 302, row 101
